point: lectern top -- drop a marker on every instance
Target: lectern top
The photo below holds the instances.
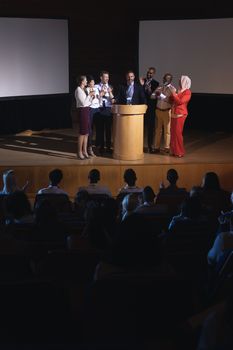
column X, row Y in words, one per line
column 129, row 109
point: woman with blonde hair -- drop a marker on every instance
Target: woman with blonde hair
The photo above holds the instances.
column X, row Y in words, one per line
column 179, row 114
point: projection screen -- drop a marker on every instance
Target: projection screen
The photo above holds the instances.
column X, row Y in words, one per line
column 34, row 57
column 201, row 49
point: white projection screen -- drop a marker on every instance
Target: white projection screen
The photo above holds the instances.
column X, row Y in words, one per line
column 201, row 49
column 34, row 56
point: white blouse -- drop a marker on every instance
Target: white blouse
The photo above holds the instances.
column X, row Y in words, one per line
column 82, row 99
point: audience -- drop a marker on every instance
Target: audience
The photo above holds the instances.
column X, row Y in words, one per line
column 128, row 244
column 135, row 248
column 172, row 188
column 10, row 183
column 129, row 203
column 19, row 208
column 222, row 246
column 191, row 214
column 149, row 205
column 130, row 179
column 93, row 187
column 47, row 225
column 80, row 203
column 55, row 177
column 213, row 196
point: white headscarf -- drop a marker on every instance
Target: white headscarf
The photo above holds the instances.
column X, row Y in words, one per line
column 185, row 82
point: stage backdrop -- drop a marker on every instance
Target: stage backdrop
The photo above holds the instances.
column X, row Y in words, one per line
column 34, row 70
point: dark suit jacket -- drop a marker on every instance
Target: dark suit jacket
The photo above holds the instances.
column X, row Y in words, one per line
column 138, row 98
column 154, row 84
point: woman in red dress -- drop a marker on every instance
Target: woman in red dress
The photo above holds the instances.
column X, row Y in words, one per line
column 178, row 116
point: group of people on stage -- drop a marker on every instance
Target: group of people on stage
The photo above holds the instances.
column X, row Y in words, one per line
column 166, row 111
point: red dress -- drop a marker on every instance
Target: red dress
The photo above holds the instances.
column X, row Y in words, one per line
column 179, row 114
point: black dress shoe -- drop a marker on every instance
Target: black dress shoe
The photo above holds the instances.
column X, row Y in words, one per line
column 166, row 150
column 150, row 150
column 109, row 150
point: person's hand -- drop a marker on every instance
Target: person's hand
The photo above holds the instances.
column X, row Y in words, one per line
column 24, row 188
column 172, row 89
column 161, row 186
column 158, row 92
column 142, row 80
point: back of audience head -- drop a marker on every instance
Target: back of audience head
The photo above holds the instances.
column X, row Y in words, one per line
column 211, row 181
column 94, row 176
column 172, row 176
column 9, row 181
column 196, row 191
column 18, row 205
column 129, row 203
column 130, row 177
column 81, row 197
column 80, row 203
column 191, row 207
column 148, row 195
column 55, row 176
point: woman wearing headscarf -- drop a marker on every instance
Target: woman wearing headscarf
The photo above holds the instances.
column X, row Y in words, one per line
column 179, row 113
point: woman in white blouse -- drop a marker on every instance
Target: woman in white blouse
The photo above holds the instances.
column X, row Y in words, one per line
column 83, row 102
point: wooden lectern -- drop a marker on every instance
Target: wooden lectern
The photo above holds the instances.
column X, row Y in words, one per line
column 128, row 131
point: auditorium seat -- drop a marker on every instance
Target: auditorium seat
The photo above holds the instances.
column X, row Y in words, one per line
column 172, row 201
column 60, row 202
column 137, row 305
column 3, row 207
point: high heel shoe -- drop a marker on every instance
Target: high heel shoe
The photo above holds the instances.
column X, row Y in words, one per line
column 80, row 156
column 86, row 156
column 91, row 153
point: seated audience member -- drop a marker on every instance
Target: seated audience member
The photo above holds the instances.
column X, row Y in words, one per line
column 172, row 196
column 191, row 215
column 129, row 203
column 148, row 205
column 172, row 188
column 214, row 197
column 216, row 331
column 224, row 218
column 93, row 187
column 223, row 244
column 135, row 248
column 10, row 183
column 196, row 191
column 147, row 197
column 47, row 226
column 101, row 224
column 19, row 208
column 130, row 179
column 80, row 203
column 55, row 177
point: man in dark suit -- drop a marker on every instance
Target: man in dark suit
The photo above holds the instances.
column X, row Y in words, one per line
column 150, row 85
column 131, row 92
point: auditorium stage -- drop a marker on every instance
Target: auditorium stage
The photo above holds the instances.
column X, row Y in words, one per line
column 34, row 154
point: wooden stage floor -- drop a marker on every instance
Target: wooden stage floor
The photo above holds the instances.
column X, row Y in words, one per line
column 34, row 154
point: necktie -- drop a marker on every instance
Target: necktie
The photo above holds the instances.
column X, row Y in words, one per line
column 129, row 92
